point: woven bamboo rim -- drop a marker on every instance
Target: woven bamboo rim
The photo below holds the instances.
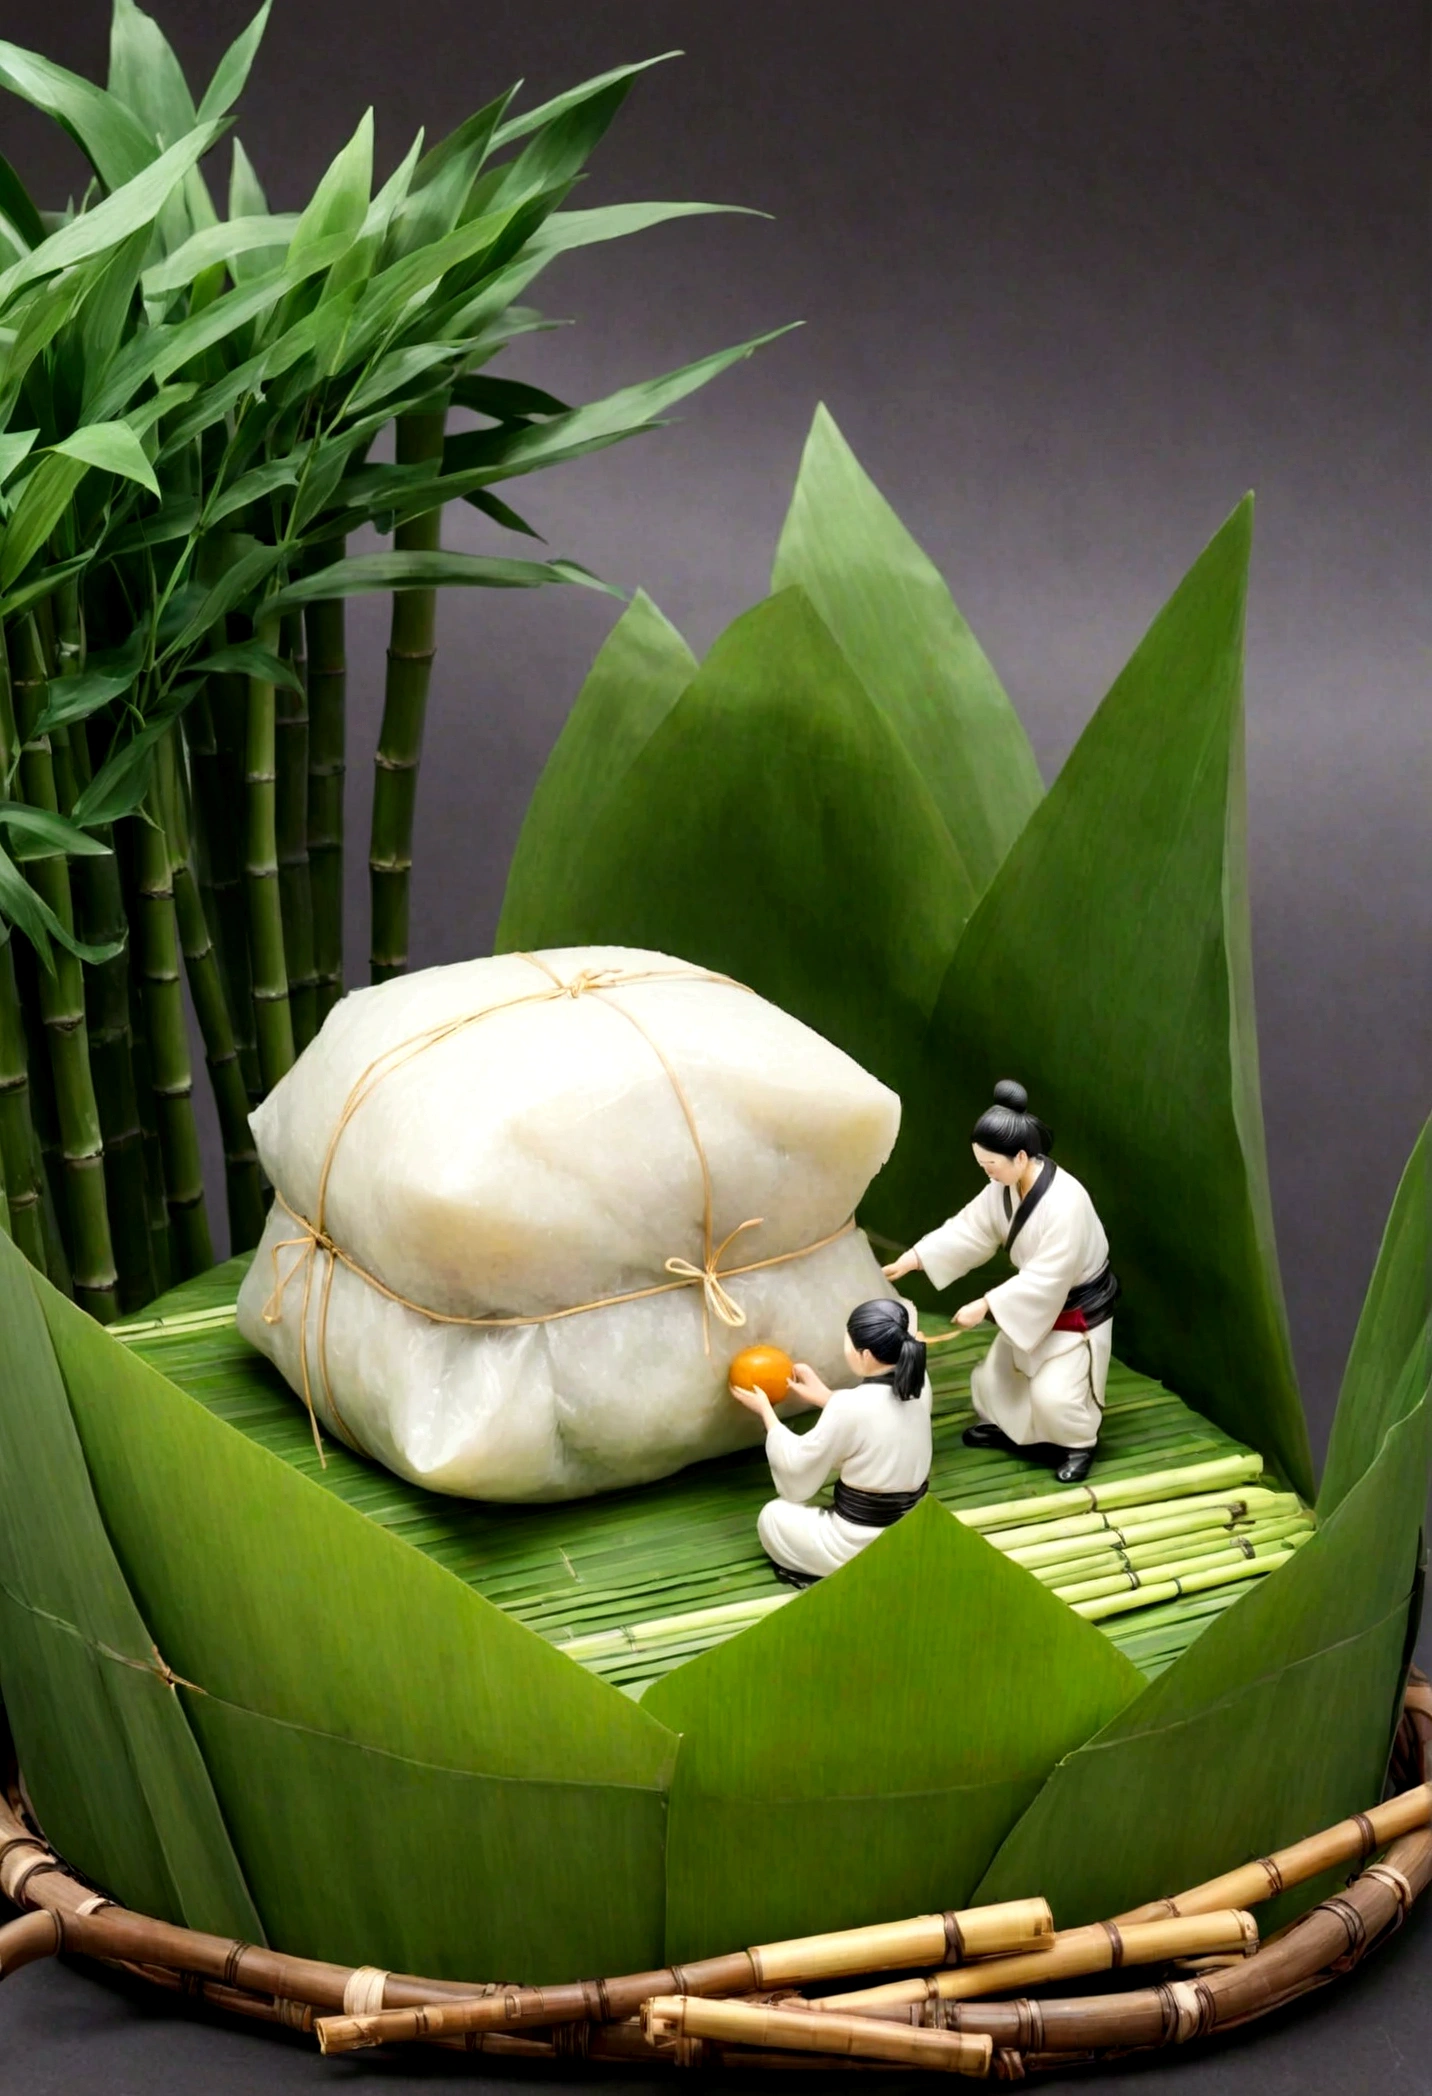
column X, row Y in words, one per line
column 1010, row 2040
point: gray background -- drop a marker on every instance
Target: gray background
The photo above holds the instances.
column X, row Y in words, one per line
column 1074, row 276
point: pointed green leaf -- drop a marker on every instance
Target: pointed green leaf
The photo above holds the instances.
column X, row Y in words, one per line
column 572, row 98
column 384, row 571
column 240, row 580
column 246, row 193
column 114, row 448
column 35, row 918
column 106, row 675
column 504, row 453
column 122, row 213
column 145, row 75
column 14, row 450
column 567, row 230
column 772, row 826
column 505, row 399
column 222, row 243
column 500, row 512
column 232, row 71
column 1392, row 1333
column 246, row 658
column 443, row 180
column 1276, row 1723
column 1106, row 967
column 340, row 202
column 639, row 674
column 116, row 144
column 119, row 786
column 18, row 210
column 49, row 832
column 48, row 580
column 858, row 1754
column 43, row 499
column 511, row 1806
column 888, row 607
column 112, row 1764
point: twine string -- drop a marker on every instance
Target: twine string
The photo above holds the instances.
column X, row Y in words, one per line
column 313, row 1238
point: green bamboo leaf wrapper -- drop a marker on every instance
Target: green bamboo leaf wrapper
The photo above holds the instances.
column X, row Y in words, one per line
column 1391, row 1333
column 1278, row 1720
column 410, row 1777
column 640, row 672
column 774, row 827
column 1107, row 968
column 896, row 623
column 864, row 1750
column 109, row 1757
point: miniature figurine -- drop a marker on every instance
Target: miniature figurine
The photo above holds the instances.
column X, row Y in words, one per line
column 877, row 1435
column 1043, row 1380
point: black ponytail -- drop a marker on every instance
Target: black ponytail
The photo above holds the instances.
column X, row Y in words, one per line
column 882, row 1328
column 1008, row 1127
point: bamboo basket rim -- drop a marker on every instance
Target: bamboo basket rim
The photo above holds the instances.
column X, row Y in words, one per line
column 62, row 1911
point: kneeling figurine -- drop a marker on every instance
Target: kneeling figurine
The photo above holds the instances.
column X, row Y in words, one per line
column 1043, row 1380
column 876, row 1434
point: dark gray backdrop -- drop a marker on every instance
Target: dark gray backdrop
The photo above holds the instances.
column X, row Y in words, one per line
column 1074, row 276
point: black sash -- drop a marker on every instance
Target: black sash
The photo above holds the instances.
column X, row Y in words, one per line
column 1031, row 1201
column 874, row 1509
column 1096, row 1299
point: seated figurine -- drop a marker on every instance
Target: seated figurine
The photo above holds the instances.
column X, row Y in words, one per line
column 1043, row 1379
column 877, row 1435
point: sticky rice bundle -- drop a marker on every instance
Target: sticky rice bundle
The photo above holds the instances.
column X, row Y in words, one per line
column 529, row 1208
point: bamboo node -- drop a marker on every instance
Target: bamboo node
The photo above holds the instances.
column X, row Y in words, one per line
column 1354, row 1926
column 363, row 1990
column 1189, row 2011
column 1388, row 1874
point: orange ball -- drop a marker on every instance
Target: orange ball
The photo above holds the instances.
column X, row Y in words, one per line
column 762, row 1368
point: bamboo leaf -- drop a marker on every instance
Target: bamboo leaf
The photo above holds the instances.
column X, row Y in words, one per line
column 248, row 659
column 34, row 917
column 44, row 584
column 1107, row 967
column 505, row 399
column 772, row 826
column 640, row 672
column 385, row 571
column 572, row 98
column 338, row 206
column 107, row 675
column 443, row 178
column 567, row 230
column 898, row 627
column 123, row 212
column 504, row 453
column 15, row 205
column 232, row 71
column 119, row 786
column 239, row 580
column 513, row 1805
column 43, row 500
column 221, row 243
column 112, row 446
column 50, row 832
column 145, row 75
column 1392, row 1335
column 14, row 450
column 1237, row 1730
column 116, row 145
column 251, row 486
column 391, row 374
column 492, row 506
column 112, row 1764
column 790, row 1814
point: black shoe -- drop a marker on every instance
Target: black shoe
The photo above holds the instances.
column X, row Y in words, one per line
column 792, row 1579
column 1077, row 1464
column 985, row 1434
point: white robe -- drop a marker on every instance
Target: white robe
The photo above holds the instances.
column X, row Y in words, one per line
column 1035, row 1383
column 877, row 1441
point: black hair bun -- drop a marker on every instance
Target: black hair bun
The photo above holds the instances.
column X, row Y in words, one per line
column 1014, row 1096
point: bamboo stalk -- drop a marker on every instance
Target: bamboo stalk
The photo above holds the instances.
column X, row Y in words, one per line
column 672, row 2017
column 327, row 736
column 171, row 1071
column 61, row 999
column 1201, row 1543
column 926, row 1939
column 242, row 1180
column 1190, row 1581
column 215, row 727
column 411, row 647
column 1170, row 1516
column 273, row 1021
column 1237, row 1552
column 19, row 1161
column 1350, row 1841
column 1121, row 1492
column 291, row 761
column 1073, row 1953
column 161, row 1237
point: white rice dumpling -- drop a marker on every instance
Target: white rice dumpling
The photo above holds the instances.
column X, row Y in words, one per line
column 528, row 1135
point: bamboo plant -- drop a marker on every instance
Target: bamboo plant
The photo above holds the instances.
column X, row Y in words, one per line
column 189, row 401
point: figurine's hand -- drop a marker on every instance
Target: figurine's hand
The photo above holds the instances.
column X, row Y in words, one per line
column 907, row 1263
column 807, row 1385
column 755, row 1401
column 971, row 1314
